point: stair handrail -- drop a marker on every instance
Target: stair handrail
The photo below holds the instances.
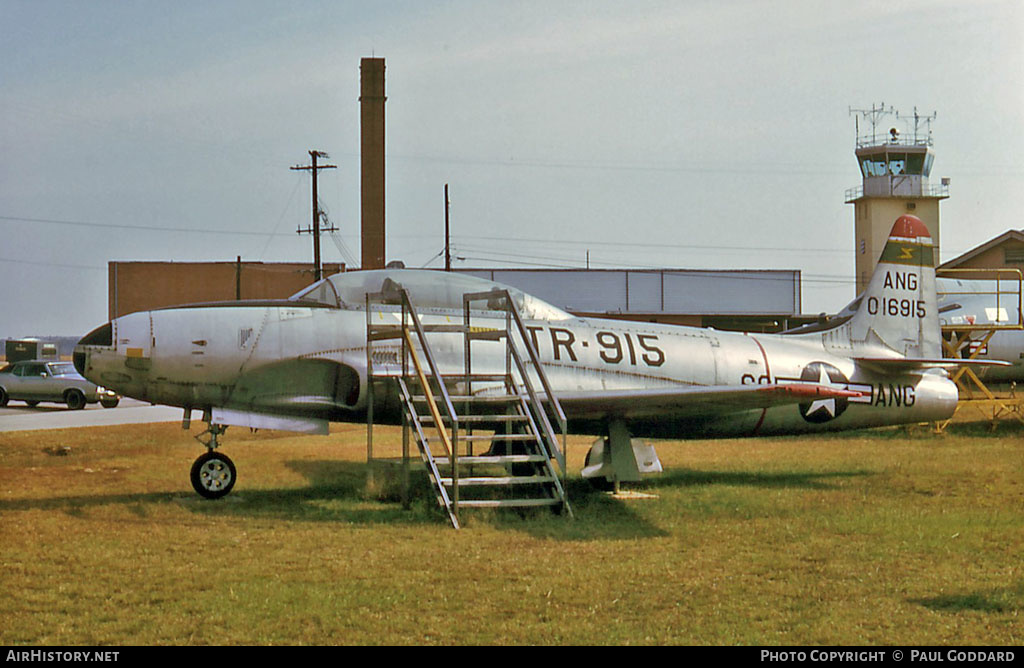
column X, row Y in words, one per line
column 388, row 295
column 443, row 499
column 405, row 301
column 428, row 393
column 435, row 370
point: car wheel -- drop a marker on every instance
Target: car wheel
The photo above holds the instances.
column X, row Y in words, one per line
column 3, row 397
column 213, row 475
column 75, row 400
column 109, row 403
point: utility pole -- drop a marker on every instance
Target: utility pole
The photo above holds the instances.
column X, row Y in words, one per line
column 447, row 236
column 315, row 228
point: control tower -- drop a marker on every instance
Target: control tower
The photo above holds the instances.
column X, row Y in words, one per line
column 895, row 166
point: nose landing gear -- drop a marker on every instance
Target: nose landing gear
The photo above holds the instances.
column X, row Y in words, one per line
column 213, row 474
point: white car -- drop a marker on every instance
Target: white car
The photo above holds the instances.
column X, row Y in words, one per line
column 37, row 381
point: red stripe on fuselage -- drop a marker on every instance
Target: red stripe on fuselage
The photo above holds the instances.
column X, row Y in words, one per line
column 768, row 373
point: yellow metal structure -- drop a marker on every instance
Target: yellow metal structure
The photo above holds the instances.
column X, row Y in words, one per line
column 972, row 339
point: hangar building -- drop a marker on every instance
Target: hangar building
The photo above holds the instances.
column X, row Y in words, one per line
column 749, row 300
column 1003, row 252
column 143, row 286
column 766, row 300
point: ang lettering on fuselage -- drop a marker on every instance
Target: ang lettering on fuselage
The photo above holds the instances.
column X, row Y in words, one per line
column 893, row 395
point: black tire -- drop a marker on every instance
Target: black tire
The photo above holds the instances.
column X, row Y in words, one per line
column 75, row 400
column 32, row 404
column 213, row 475
column 3, row 397
column 110, row 403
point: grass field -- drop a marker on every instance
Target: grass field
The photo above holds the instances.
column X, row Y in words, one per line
column 898, row 537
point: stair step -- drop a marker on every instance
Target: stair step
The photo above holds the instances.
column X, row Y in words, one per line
column 474, row 377
column 491, row 459
column 488, row 437
column 508, row 503
column 474, row 398
column 475, row 481
column 383, row 332
column 486, row 335
column 461, row 377
column 464, row 419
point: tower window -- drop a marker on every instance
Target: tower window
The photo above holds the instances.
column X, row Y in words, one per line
column 897, row 163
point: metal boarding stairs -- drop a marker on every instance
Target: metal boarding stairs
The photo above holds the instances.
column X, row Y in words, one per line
column 452, row 412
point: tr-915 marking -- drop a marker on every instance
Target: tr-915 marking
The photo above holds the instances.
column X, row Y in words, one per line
column 613, row 351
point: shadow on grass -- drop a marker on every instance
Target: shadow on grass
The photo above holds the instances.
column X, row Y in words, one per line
column 925, row 431
column 74, row 504
column 596, row 516
column 773, row 480
column 337, row 492
column 1009, row 599
column 600, row 516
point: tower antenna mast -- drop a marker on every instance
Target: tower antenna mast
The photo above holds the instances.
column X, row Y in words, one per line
column 926, row 120
column 875, row 114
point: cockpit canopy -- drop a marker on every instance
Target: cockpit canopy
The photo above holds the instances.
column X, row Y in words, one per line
column 427, row 289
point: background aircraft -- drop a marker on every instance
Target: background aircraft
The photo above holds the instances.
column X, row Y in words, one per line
column 972, row 304
column 977, row 303
column 297, row 364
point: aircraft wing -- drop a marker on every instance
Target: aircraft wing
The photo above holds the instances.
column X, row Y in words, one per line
column 693, row 401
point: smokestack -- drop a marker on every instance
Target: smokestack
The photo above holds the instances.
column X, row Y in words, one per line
column 371, row 101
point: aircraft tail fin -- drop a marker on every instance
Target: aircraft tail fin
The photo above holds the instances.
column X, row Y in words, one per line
column 898, row 313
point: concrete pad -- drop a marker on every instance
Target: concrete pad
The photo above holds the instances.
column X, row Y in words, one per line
column 19, row 417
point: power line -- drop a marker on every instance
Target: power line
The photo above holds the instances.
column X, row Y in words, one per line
column 701, row 168
column 456, row 241
column 52, row 264
column 144, row 228
column 270, row 237
column 661, row 246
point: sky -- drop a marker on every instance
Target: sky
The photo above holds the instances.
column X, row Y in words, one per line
column 710, row 134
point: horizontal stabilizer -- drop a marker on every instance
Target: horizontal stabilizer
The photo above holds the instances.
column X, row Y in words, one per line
column 908, row 364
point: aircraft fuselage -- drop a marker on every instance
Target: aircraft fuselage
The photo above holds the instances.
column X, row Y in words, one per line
column 294, row 359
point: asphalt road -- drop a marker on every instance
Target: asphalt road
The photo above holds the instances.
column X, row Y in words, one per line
column 17, row 416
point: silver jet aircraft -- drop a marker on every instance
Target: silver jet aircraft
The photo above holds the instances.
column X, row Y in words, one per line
column 296, row 364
